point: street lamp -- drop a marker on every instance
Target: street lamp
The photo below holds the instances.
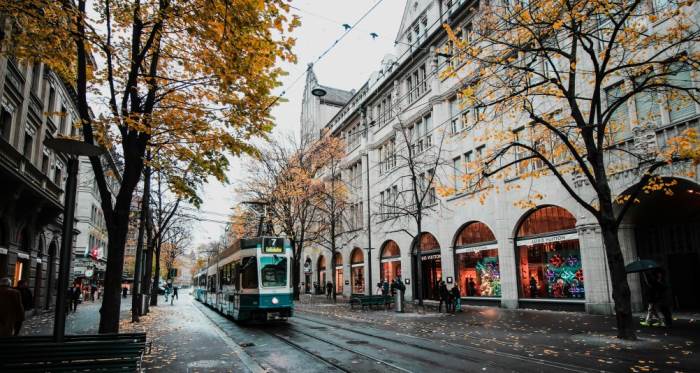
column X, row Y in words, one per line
column 318, row 91
column 73, row 149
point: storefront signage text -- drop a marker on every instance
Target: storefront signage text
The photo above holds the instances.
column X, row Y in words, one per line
column 430, row 257
column 474, row 249
column 548, row 239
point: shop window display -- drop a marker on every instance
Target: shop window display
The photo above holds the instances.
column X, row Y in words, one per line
column 357, row 272
column 476, row 259
column 549, row 255
column 390, row 261
column 338, row 263
column 551, row 270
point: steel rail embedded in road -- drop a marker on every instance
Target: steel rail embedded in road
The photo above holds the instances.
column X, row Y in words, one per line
column 366, row 356
column 564, row 366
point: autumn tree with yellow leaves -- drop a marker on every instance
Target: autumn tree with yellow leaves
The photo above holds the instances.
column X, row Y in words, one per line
column 550, row 82
column 200, row 71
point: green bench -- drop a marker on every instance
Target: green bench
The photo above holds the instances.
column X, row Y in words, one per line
column 105, row 352
column 370, row 300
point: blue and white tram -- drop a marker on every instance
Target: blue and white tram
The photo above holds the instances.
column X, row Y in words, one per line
column 251, row 280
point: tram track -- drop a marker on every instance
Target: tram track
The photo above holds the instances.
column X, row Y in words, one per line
column 486, row 352
column 289, row 341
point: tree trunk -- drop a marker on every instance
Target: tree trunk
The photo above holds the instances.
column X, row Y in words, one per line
column 139, row 266
column 111, row 303
column 419, row 264
column 156, row 274
column 621, row 290
column 148, row 265
column 295, row 270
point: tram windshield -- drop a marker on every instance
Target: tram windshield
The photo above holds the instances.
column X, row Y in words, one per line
column 273, row 271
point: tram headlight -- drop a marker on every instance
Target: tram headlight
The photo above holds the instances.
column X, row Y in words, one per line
column 275, row 300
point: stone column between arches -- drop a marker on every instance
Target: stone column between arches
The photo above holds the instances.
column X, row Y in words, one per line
column 595, row 270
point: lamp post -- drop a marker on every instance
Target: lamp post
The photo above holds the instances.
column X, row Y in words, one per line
column 73, row 149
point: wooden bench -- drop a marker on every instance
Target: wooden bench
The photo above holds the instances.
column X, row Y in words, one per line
column 108, row 352
column 371, row 300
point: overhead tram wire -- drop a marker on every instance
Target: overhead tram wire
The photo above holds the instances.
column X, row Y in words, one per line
column 324, row 53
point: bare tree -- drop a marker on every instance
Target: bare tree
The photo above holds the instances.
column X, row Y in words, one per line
column 413, row 166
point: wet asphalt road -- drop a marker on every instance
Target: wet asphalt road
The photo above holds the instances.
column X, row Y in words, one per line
column 310, row 344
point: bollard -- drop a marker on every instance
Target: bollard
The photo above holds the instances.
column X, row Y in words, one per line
column 399, row 301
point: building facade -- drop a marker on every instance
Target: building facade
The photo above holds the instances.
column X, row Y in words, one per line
column 550, row 255
column 36, row 105
column 90, row 249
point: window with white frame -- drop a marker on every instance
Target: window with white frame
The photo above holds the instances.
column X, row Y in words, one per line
column 680, row 105
column 457, row 173
column 387, row 156
column 647, row 104
column 416, row 83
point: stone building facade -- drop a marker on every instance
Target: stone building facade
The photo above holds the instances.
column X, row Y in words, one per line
column 36, row 105
column 549, row 256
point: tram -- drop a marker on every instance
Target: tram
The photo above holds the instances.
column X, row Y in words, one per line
column 251, row 280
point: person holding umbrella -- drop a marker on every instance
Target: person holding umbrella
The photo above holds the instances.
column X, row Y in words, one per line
column 655, row 293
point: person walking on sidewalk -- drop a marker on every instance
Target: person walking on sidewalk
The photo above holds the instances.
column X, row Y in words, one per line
column 456, row 298
column 74, row 297
column 175, row 293
column 11, row 309
column 93, row 290
column 329, row 289
column 444, row 296
column 656, row 294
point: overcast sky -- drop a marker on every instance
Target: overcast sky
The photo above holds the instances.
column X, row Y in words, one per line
column 346, row 66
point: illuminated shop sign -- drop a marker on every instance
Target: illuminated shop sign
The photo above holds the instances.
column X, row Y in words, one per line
column 474, row 249
column 430, row 257
column 548, row 239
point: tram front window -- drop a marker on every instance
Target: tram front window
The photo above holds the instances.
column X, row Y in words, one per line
column 273, row 271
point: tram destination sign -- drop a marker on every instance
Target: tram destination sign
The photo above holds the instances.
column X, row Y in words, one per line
column 273, row 245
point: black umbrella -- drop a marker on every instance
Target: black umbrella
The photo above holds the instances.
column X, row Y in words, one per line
column 641, row 265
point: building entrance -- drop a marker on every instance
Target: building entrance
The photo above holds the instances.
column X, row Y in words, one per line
column 666, row 231
column 431, row 267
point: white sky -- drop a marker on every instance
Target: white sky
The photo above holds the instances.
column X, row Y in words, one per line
column 347, row 66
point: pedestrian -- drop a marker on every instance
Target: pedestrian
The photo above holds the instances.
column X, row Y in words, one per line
column 175, row 292
column 93, row 290
column 456, row 298
column 26, row 294
column 329, row 289
column 124, row 291
column 656, row 295
column 471, row 287
column 11, row 309
column 533, row 287
column 385, row 287
column 444, row 296
column 99, row 292
column 74, row 297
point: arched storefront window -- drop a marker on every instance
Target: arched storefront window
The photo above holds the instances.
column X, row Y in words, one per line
column 390, row 261
column 338, row 264
column 549, row 255
column 321, row 270
column 431, row 266
column 476, row 261
column 357, row 271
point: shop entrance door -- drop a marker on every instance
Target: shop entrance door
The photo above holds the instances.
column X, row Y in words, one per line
column 431, row 274
column 684, row 277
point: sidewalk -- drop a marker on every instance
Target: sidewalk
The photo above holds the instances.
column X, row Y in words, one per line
column 547, row 334
column 86, row 320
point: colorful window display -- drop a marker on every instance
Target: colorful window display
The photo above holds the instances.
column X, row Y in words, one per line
column 390, row 261
column 476, row 258
column 357, row 271
column 550, row 262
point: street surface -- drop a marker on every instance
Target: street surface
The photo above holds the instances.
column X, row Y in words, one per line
column 190, row 337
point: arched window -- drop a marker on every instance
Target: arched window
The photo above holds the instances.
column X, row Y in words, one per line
column 549, row 255
column 390, row 261
column 476, row 261
column 431, row 266
column 321, row 270
column 357, row 271
column 338, row 272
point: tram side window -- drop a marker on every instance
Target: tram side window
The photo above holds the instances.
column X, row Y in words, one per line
column 249, row 267
column 236, row 268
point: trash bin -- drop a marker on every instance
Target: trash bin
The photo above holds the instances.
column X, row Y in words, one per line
column 399, row 301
